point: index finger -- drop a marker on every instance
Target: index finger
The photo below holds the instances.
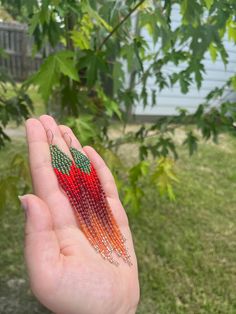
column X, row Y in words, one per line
column 44, row 180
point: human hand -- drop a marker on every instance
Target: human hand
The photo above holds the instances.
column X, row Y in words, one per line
column 66, row 274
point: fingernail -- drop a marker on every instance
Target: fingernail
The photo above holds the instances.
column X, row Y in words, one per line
column 23, row 201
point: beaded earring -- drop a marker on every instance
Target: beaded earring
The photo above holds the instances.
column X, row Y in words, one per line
column 82, row 186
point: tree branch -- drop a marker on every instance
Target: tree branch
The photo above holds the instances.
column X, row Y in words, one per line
column 120, row 24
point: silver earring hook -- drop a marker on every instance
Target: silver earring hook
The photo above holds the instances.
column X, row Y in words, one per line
column 66, row 134
column 50, row 136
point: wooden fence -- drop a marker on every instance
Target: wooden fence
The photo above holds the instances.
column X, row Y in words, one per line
column 17, row 60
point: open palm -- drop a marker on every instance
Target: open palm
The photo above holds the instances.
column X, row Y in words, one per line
column 66, row 273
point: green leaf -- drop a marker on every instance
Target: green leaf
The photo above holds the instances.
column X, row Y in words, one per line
column 131, row 54
column 141, row 169
column 191, row 142
column 50, row 71
column 111, row 107
column 149, row 21
column 92, row 71
column 80, row 40
column 137, row 47
column 82, row 37
column 118, row 76
column 133, row 192
column 83, row 127
column 221, row 48
column 64, row 60
column 143, row 152
column 20, row 164
column 170, row 192
column 93, row 62
column 184, row 83
column 191, row 12
column 233, row 82
column 213, row 52
column 133, row 197
column 198, row 69
column 209, row 3
column 231, row 29
column 54, row 31
column 154, row 98
column 94, row 15
column 164, row 177
column 47, row 77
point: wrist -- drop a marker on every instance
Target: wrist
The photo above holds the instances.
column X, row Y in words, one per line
column 131, row 309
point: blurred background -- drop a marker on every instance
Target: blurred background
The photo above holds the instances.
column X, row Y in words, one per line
column 152, row 86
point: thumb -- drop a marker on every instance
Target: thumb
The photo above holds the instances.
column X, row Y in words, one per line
column 41, row 245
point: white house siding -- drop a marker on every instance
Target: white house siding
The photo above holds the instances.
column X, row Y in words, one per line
column 169, row 99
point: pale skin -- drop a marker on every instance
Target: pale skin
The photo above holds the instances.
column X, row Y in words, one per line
column 66, row 274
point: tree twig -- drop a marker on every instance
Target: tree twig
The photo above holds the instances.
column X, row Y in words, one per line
column 120, row 23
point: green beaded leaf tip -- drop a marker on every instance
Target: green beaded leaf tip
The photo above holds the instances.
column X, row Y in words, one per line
column 60, row 160
column 81, row 161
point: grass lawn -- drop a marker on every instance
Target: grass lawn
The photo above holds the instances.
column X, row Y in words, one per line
column 186, row 250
